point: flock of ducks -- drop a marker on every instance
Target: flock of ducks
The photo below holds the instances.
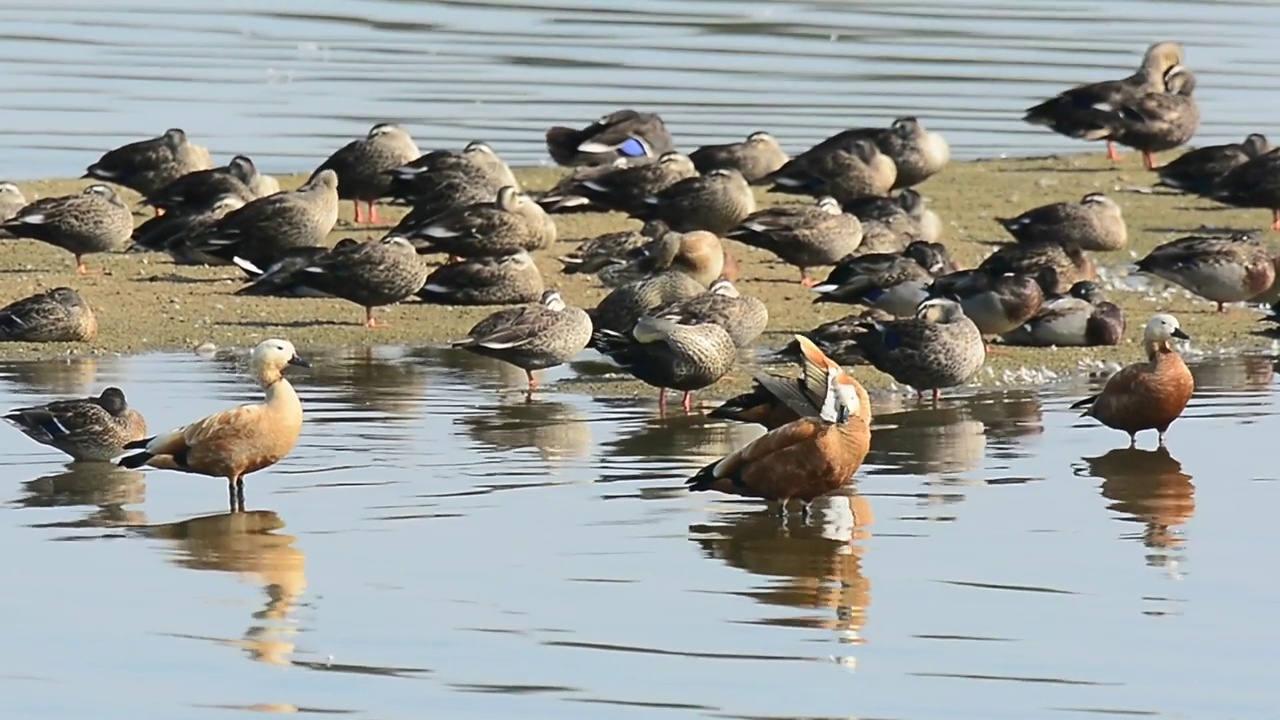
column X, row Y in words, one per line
column 673, row 317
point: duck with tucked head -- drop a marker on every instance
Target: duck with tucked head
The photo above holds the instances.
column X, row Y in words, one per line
column 1070, row 113
column 233, row 443
column 1223, row 269
column 938, row 348
column 89, row 429
column 1198, row 171
column 1254, row 183
column 1146, row 395
column 58, row 315
column 1094, row 223
column 148, row 165
column 755, row 157
column 668, row 355
column 535, row 337
column 364, row 166
column 1070, row 263
column 623, row 134
column 803, row 459
column 1080, row 318
column 743, row 316
column 996, row 303
column 714, row 202
column 620, row 186
column 773, row 400
column 894, row 282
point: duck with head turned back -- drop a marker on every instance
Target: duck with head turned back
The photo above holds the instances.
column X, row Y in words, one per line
column 503, row 280
column 848, row 173
column 917, row 154
column 802, row 235
column 610, row 249
column 1146, row 395
column 266, row 227
column 669, row 355
column 1223, row 269
column 1071, row 112
column 233, row 443
column 1254, row 183
column 908, row 207
column 59, row 315
column 93, row 429
column 94, row 221
column 1155, row 122
column 1080, row 318
column 363, row 166
column 685, row 263
column 535, row 337
column 805, row 458
column 756, row 157
column 148, row 165
column 714, row 202
column 511, row 223
column 938, row 348
column 1198, row 171
column 287, row 276
column 369, row 274
column 200, row 188
column 775, row 401
column 1094, row 223
column 744, row 317
column 618, row 187
column 623, row 134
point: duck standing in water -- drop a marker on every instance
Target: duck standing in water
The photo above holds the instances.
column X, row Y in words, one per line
column 803, row 459
column 1146, row 395
column 233, row 443
column 535, row 337
column 88, row 429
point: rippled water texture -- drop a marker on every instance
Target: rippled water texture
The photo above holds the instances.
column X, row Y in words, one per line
column 437, row 548
column 290, row 82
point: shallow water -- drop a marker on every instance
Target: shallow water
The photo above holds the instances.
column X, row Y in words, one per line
column 437, row 547
column 289, row 83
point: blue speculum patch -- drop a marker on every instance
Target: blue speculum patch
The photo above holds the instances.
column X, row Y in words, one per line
column 632, row 148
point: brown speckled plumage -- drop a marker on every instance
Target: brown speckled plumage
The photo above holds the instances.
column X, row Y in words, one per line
column 363, row 166
column 756, row 157
column 622, row 187
column 506, row 280
column 512, row 222
column 93, row 429
column 744, row 317
column 268, row 226
column 714, row 202
column 535, row 337
column 148, row 165
column 802, row 235
column 667, row 354
column 93, row 221
column 370, row 274
column 59, row 315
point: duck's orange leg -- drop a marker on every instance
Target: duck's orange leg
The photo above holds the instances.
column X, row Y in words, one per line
column 1112, row 154
column 82, row 269
column 1275, row 219
column 533, row 382
column 370, row 321
column 805, row 280
column 1149, row 160
column 372, row 216
column 687, row 402
column 937, row 395
column 355, row 204
column 662, row 402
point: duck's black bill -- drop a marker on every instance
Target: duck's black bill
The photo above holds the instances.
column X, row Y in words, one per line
column 295, row 360
column 1181, row 335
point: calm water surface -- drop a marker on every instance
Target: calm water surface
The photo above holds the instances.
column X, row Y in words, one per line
column 435, row 547
column 289, row 82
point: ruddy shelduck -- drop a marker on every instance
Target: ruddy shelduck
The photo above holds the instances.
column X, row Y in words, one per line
column 233, row 443
column 803, row 459
column 1146, row 395
column 773, row 399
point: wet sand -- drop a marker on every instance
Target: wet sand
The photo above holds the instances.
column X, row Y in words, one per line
column 146, row 303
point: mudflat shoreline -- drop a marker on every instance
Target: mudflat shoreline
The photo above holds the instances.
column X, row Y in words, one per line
column 146, row 303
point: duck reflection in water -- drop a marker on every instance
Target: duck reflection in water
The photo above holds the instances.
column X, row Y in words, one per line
column 556, row 431
column 814, row 565
column 106, row 487
column 246, row 543
column 1147, row 486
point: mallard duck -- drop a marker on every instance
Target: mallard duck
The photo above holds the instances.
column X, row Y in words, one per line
column 621, row 134
column 202, row 187
column 1094, row 223
column 148, row 165
column 1069, row 262
column 804, row 459
column 1223, row 269
column 262, row 229
column 714, row 202
column 172, row 231
column 802, row 235
column 908, row 205
column 938, row 348
column 233, row 443
column 611, row 249
column 1198, row 171
column 287, row 276
column 756, row 157
column 996, row 303
column 684, row 266
column 504, row 280
column 93, row 429
column 666, row 354
column 744, row 317
column 775, row 401
column 363, row 166
column 511, row 223
column 11, row 201
column 1071, row 113
column 93, row 221
column 1146, row 395
column 1081, row 318
column 1254, row 183
column 58, row 315
column 894, row 282
column 369, row 274
column 535, row 337
column 1155, row 122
